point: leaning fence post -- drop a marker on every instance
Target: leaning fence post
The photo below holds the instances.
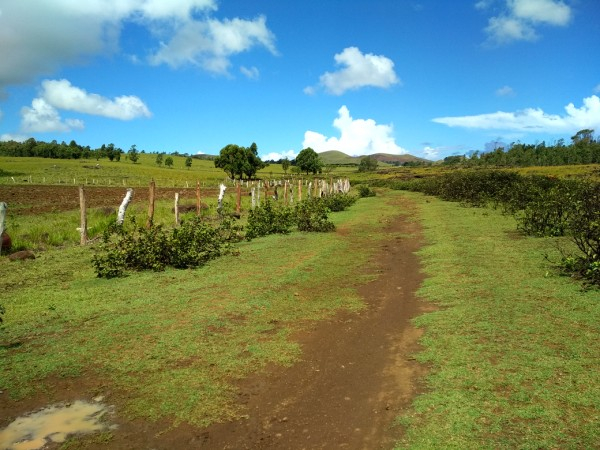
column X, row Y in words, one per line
column 222, row 188
column 2, row 219
column 83, row 221
column 123, row 207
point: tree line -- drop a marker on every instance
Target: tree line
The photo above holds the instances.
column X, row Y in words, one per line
column 583, row 149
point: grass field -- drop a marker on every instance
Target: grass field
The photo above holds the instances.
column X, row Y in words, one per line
column 173, row 343
column 513, row 348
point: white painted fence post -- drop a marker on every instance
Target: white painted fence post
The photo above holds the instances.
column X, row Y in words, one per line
column 123, row 207
column 222, row 189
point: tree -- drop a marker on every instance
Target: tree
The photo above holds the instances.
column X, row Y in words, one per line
column 285, row 165
column 238, row 161
column 159, row 159
column 309, row 161
column 133, row 154
column 168, row 162
column 188, row 162
column 367, row 164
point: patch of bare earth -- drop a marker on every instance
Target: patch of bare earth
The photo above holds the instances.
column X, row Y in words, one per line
column 355, row 377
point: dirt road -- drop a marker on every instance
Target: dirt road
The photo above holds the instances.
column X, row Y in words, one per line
column 355, row 377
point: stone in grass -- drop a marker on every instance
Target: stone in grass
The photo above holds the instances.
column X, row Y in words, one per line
column 20, row 256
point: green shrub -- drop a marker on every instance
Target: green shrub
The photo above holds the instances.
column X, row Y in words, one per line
column 312, row 215
column 191, row 244
column 365, row 191
column 338, row 202
column 269, row 219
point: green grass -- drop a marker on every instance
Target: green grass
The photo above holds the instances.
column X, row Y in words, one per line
column 172, row 344
column 513, row 347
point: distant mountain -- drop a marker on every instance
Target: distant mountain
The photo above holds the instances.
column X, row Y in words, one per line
column 336, row 157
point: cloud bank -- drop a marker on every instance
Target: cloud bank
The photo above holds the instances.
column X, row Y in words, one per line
column 533, row 120
column 38, row 40
column 357, row 71
column 357, row 137
column 520, row 19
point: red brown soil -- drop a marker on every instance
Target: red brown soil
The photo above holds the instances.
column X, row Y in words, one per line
column 37, row 199
column 355, row 377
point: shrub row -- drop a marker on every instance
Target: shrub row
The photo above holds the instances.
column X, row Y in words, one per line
column 196, row 242
column 542, row 206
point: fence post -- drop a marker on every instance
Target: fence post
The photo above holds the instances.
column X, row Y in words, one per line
column 151, row 197
column 176, row 208
column 238, row 205
column 83, row 216
column 2, row 219
column 222, row 188
column 198, row 202
column 123, row 207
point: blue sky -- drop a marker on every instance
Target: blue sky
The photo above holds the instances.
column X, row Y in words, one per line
column 427, row 77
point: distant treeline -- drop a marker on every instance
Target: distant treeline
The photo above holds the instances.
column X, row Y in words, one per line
column 583, row 149
column 72, row 150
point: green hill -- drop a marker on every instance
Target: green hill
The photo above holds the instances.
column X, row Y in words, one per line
column 336, row 157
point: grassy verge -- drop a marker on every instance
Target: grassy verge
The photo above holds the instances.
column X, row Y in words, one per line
column 172, row 344
column 513, row 348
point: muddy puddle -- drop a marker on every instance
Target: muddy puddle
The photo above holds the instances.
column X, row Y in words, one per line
column 53, row 424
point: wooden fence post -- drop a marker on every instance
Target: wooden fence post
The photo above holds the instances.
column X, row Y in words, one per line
column 238, row 204
column 198, row 202
column 123, row 207
column 151, row 197
column 2, row 222
column 299, row 190
column 83, row 221
column 176, row 208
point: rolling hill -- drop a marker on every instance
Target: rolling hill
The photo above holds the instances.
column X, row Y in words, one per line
column 336, row 157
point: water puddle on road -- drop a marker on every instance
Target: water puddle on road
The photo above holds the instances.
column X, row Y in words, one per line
column 52, row 424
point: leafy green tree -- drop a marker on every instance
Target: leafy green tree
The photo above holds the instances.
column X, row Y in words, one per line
column 168, row 162
column 285, row 165
column 309, row 161
column 367, row 164
column 159, row 159
column 133, row 154
column 238, row 161
column 188, row 162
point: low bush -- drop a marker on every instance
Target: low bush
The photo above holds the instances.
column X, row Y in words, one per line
column 269, row 219
column 365, row 191
column 312, row 215
column 338, row 202
column 136, row 248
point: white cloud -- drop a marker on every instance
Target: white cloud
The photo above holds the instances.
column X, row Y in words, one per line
column 14, row 137
column 44, row 118
column 38, row 40
column 430, row 153
column 357, row 137
column 62, row 94
column 211, row 43
column 358, row 71
column 275, row 156
column 550, row 12
column 505, row 91
column 252, row 73
column 597, row 89
column 519, row 19
column 533, row 120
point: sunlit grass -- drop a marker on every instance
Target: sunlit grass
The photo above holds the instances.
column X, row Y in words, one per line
column 172, row 344
column 513, row 348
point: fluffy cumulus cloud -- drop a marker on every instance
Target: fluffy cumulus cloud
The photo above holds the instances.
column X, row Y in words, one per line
column 533, row 120
column 38, row 40
column 209, row 44
column 520, row 19
column 357, row 137
column 61, row 94
column 42, row 117
column 357, row 71
column 276, row 156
